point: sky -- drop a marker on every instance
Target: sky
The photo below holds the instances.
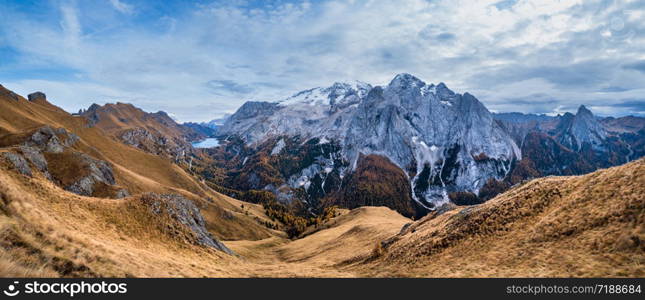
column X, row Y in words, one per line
column 198, row 60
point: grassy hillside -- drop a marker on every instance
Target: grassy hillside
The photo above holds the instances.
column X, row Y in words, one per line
column 548, row 227
column 134, row 169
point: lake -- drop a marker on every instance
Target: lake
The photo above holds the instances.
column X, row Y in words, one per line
column 207, row 143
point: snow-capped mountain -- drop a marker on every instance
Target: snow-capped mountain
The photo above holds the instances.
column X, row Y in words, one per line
column 443, row 141
column 339, row 94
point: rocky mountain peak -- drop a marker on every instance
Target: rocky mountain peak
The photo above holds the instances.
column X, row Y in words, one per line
column 574, row 131
column 339, row 93
column 583, row 111
column 404, row 81
column 443, row 91
column 93, row 107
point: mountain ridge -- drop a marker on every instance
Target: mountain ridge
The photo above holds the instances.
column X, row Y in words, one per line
column 409, row 122
column 174, row 225
column 447, row 144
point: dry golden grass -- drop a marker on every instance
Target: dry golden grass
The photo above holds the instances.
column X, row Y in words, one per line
column 351, row 235
column 529, row 231
column 322, row 252
column 583, row 226
column 46, row 231
column 81, row 236
column 12, row 269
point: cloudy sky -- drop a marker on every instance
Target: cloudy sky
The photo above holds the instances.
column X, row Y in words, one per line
column 198, row 60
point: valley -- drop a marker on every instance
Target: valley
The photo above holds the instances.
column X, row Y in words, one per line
column 114, row 191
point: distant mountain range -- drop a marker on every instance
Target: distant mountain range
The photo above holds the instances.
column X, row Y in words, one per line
column 209, row 128
column 409, row 145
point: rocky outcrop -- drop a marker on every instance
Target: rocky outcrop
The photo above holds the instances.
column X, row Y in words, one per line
column 35, row 157
column 36, row 96
column 10, row 94
column 186, row 214
column 93, row 174
column 156, row 143
column 443, row 141
column 49, row 140
column 18, row 162
column 50, row 151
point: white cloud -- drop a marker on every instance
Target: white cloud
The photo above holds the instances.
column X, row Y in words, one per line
column 265, row 53
column 70, row 24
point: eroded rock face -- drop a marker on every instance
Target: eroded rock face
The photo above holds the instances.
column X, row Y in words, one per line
column 35, row 157
column 156, row 143
column 186, row 213
column 574, row 131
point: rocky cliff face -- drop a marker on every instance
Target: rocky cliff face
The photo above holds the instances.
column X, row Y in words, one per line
column 443, row 141
column 573, row 131
column 185, row 219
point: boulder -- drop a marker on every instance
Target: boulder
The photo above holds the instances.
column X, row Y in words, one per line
column 37, row 96
column 51, row 140
column 45, row 139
